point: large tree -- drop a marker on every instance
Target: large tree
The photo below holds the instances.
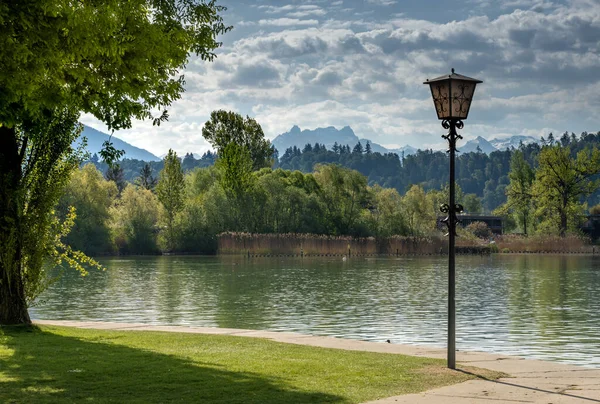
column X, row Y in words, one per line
column 116, row 60
column 227, row 127
column 344, row 195
column 134, row 219
column 561, row 180
column 518, row 191
column 170, row 191
column 92, row 197
column 146, row 180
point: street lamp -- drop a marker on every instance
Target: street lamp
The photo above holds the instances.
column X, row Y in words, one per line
column 452, row 95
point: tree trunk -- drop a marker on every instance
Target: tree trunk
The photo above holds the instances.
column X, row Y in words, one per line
column 563, row 217
column 13, row 303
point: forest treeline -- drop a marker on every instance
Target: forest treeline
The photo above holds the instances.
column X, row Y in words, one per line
column 484, row 176
column 541, row 188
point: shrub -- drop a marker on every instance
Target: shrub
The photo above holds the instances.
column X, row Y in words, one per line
column 479, row 229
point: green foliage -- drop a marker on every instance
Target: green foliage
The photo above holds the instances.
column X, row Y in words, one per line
column 595, row 210
column 30, row 234
column 201, row 180
column 91, row 196
column 227, row 128
column 114, row 173
column 344, row 194
column 231, row 197
column 237, row 180
column 133, row 170
column 291, row 204
column 134, row 220
column 113, row 59
column 519, row 194
column 235, row 166
column 388, row 213
column 146, row 180
column 479, row 230
column 560, row 182
column 472, row 204
column 170, row 191
column 194, row 231
column 420, row 210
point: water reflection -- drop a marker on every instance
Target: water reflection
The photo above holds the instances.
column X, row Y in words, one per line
column 544, row 307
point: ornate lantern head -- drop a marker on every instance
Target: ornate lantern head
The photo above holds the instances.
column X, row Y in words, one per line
column 452, row 95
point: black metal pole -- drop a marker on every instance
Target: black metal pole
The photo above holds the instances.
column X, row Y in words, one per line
column 452, row 208
column 451, row 253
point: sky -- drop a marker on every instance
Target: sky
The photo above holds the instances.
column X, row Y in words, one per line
column 361, row 63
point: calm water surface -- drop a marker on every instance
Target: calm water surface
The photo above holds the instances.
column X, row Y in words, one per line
column 545, row 307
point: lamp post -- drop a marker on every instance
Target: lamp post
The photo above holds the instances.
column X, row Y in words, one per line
column 452, row 95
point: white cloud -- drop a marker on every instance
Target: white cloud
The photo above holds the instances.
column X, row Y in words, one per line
column 287, row 22
column 382, row 2
column 539, row 62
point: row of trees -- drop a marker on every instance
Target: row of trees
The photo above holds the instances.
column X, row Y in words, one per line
column 241, row 192
column 485, row 176
column 185, row 213
column 550, row 197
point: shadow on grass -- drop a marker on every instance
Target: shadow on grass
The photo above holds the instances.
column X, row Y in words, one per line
column 43, row 367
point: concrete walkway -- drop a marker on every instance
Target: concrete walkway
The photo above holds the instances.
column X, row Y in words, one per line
column 530, row 381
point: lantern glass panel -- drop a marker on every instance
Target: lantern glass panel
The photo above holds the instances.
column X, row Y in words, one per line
column 440, row 91
column 462, row 95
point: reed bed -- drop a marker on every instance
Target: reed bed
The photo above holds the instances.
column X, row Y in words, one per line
column 320, row 245
column 571, row 244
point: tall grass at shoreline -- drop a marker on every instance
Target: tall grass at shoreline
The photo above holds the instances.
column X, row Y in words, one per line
column 314, row 245
column 293, row 244
column 544, row 243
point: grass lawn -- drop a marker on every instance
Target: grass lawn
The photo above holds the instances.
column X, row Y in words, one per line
column 68, row 365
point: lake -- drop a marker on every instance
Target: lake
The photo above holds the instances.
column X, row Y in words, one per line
column 537, row 306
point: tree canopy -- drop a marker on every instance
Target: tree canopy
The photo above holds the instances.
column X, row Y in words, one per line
column 561, row 181
column 227, row 127
column 116, row 60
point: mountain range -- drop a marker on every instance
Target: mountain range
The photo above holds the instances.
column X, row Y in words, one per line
column 299, row 138
column 346, row 136
column 329, row 136
column 95, row 138
column 488, row 146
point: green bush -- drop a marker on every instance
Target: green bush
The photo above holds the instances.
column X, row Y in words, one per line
column 479, row 230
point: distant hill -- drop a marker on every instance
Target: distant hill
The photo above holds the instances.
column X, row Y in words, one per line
column 472, row 145
column 329, row 136
column 95, row 138
column 488, row 146
column 346, row 136
column 513, row 141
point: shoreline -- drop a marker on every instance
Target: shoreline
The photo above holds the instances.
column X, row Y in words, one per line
column 242, row 255
column 529, row 380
